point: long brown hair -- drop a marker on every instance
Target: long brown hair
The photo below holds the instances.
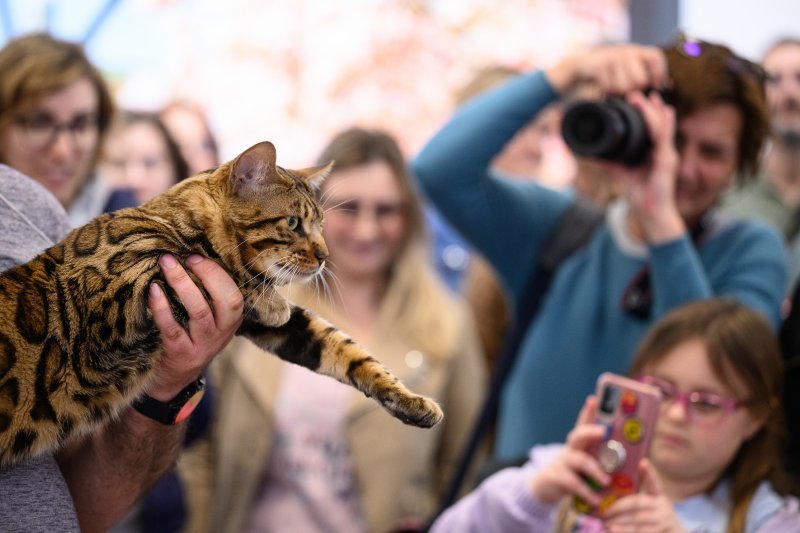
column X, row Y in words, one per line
column 740, row 343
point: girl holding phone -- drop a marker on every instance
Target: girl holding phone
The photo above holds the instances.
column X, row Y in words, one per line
column 714, row 462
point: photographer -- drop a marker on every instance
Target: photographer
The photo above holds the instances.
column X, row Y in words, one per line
column 662, row 243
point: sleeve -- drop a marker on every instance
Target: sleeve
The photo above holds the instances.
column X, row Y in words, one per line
column 505, row 219
column 747, row 262
column 503, row 503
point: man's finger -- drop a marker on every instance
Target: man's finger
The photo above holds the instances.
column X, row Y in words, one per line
column 170, row 330
column 225, row 296
column 199, row 311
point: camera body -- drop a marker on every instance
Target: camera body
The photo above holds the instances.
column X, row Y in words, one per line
column 629, row 411
column 609, row 129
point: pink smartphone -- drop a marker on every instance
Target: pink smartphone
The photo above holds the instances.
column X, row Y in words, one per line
column 629, row 410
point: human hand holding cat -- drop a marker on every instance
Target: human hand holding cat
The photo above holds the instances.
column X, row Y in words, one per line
column 210, row 327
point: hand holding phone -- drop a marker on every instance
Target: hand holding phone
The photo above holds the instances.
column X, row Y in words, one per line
column 629, row 410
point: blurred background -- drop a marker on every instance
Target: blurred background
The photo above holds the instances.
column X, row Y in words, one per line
column 296, row 71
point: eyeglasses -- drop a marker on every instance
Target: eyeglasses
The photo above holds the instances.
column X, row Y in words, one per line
column 40, row 130
column 381, row 211
column 703, row 408
column 692, row 48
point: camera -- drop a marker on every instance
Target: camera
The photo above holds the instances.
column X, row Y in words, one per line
column 610, row 129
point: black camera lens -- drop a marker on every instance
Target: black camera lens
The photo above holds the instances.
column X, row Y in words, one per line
column 612, row 130
column 608, row 400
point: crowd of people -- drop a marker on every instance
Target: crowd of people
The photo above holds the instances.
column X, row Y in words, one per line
column 684, row 283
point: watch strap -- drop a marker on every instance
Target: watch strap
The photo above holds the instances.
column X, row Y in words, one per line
column 175, row 410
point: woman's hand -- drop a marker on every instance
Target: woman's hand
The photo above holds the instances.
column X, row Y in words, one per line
column 564, row 476
column 650, row 187
column 647, row 512
column 613, row 69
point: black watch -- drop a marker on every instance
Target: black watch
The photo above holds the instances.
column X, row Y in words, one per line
column 177, row 409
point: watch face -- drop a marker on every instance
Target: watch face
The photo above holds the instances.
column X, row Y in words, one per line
column 189, row 406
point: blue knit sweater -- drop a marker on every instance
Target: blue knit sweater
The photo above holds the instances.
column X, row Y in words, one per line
column 581, row 329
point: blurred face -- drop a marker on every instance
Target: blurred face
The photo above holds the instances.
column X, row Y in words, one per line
column 708, row 145
column 192, row 137
column 538, row 151
column 365, row 220
column 136, row 157
column 696, row 447
column 54, row 141
column 783, row 90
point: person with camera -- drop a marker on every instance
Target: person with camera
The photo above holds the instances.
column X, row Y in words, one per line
column 661, row 244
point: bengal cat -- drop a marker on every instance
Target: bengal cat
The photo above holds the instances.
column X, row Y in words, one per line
column 78, row 343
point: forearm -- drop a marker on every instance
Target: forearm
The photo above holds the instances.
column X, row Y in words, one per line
column 112, row 469
column 502, row 504
column 746, row 262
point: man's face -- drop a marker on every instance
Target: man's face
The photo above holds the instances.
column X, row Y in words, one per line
column 783, row 90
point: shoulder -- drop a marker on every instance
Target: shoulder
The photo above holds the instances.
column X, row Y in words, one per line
column 725, row 227
column 770, row 512
column 22, row 195
column 31, row 219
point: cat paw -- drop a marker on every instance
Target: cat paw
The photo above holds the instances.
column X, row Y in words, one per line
column 278, row 313
column 415, row 410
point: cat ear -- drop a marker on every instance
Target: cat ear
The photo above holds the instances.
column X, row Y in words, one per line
column 314, row 176
column 254, row 167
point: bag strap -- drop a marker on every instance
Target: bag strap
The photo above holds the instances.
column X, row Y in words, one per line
column 573, row 230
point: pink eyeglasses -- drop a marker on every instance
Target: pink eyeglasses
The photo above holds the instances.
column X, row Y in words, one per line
column 704, row 408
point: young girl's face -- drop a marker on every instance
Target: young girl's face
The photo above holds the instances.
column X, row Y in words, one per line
column 695, row 444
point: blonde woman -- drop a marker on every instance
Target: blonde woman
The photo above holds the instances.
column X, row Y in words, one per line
column 291, row 452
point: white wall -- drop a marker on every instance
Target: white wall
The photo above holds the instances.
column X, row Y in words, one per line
column 747, row 26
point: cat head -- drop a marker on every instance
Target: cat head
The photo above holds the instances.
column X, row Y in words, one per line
column 274, row 217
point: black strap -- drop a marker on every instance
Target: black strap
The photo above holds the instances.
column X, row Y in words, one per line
column 573, row 230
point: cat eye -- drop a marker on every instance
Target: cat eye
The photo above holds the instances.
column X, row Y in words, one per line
column 292, row 222
column 40, row 130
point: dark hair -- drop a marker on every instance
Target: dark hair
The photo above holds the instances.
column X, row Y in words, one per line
column 704, row 74
column 179, row 166
column 37, row 65
column 739, row 341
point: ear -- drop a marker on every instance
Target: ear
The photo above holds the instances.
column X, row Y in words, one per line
column 253, row 168
column 314, row 176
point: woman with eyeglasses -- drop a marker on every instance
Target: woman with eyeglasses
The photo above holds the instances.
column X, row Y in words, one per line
column 662, row 242
column 291, row 452
column 55, row 109
column 714, row 462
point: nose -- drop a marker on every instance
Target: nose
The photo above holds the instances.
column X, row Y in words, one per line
column 688, row 164
column 321, row 251
column 63, row 144
column 366, row 225
column 677, row 410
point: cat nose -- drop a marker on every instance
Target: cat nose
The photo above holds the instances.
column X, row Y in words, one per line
column 321, row 253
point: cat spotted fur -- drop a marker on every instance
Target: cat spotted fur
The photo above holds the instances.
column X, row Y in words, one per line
column 78, row 343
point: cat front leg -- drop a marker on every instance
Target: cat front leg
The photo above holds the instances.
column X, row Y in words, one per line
column 268, row 307
column 308, row 340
